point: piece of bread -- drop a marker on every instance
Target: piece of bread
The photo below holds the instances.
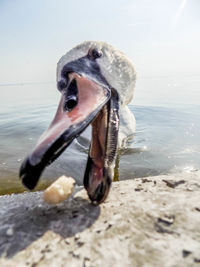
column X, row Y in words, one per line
column 60, row 190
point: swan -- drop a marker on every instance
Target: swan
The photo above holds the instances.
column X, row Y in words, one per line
column 96, row 82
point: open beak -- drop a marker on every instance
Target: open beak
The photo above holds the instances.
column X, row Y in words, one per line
column 83, row 102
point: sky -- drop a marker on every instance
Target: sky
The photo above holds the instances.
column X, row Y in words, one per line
column 160, row 37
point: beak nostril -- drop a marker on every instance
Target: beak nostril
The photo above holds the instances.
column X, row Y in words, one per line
column 70, row 103
column 71, row 96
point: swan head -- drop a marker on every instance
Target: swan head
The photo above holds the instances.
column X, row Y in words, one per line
column 113, row 64
column 95, row 80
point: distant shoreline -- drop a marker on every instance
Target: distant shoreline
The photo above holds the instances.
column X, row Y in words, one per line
column 26, row 83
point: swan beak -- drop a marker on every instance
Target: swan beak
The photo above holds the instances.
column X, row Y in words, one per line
column 103, row 149
column 79, row 105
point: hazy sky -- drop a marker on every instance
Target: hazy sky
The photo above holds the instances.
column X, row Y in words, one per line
column 162, row 37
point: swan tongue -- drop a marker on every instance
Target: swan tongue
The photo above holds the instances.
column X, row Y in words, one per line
column 65, row 126
column 103, row 149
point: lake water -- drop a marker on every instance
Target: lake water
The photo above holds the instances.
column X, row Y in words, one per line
column 167, row 139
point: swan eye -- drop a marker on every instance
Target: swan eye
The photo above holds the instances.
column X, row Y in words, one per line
column 94, row 53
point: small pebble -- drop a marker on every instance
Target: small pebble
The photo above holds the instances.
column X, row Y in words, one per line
column 197, row 209
column 10, row 232
column 172, row 183
column 67, row 241
column 138, row 189
column 80, row 243
column 145, row 180
column 76, row 237
column 75, row 254
column 167, row 219
column 186, row 253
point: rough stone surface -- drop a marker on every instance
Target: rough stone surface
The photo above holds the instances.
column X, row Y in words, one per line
column 144, row 222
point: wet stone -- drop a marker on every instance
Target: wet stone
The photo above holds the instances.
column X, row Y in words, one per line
column 149, row 228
